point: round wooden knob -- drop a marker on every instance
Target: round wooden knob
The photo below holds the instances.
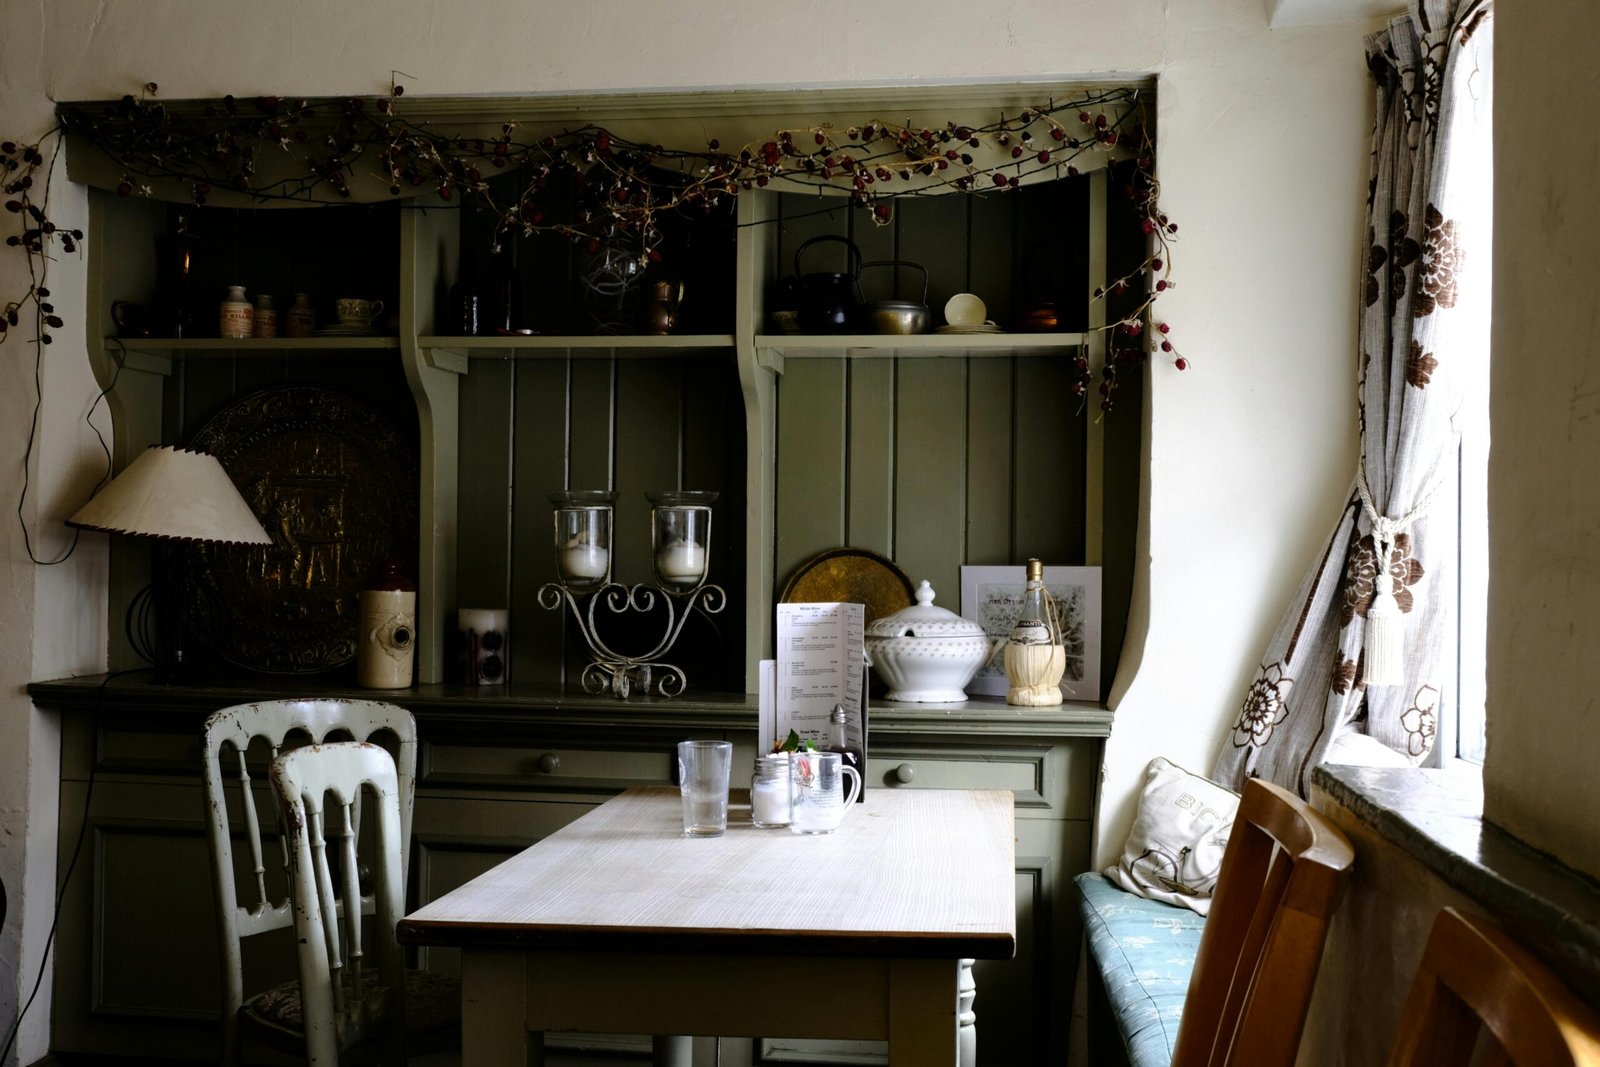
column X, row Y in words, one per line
column 904, row 773
column 549, row 763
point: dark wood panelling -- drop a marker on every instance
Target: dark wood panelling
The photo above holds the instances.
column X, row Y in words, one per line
column 540, row 467
column 483, row 484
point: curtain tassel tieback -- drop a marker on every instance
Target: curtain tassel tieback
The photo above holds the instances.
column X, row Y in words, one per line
column 1385, row 642
column 1384, row 645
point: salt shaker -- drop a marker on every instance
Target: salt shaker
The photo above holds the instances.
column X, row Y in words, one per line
column 769, row 791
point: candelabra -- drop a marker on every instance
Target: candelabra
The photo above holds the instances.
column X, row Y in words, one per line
column 680, row 540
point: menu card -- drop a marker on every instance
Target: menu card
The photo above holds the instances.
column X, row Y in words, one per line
column 821, row 663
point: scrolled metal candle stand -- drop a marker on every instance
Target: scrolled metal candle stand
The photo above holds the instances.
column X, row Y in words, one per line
column 681, row 543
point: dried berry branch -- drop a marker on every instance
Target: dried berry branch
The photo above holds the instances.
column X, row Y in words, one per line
column 592, row 186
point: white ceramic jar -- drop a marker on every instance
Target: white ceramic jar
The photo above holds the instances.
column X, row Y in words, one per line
column 926, row 654
column 236, row 318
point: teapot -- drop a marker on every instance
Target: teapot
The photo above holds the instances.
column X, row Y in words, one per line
column 828, row 299
column 927, row 654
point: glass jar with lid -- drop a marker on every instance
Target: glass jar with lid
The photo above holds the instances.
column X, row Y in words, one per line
column 769, row 791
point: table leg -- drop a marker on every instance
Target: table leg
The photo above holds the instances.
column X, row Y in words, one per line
column 670, row 1050
column 922, row 1012
column 494, row 998
column 966, row 1018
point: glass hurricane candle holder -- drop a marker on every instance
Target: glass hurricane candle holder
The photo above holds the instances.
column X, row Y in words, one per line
column 680, row 543
column 680, row 538
column 583, row 537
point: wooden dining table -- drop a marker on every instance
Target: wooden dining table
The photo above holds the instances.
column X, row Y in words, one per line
column 618, row 923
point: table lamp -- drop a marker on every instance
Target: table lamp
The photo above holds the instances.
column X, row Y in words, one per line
column 175, row 496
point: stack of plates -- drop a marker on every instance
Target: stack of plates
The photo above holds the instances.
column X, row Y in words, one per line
column 980, row 327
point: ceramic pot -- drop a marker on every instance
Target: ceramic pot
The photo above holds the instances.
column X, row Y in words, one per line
column 926, row 654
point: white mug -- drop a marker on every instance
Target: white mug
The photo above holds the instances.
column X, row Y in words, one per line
column 817, row 800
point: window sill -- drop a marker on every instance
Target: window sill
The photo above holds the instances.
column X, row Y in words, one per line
column 1436, row 816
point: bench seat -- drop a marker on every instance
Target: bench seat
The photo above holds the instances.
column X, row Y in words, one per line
column 1143, row 952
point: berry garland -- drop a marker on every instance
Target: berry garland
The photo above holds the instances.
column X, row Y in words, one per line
column 317, row 149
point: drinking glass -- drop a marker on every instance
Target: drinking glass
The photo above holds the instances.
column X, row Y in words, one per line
column 703, row 780
column 817, row 799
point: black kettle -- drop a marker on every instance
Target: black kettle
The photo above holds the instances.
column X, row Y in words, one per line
column 828, row 300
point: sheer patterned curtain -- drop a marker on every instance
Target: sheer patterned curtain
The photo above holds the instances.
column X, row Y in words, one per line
column 1368, row 646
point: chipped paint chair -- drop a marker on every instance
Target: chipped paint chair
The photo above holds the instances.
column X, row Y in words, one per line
column 1475, row 978
column 275, row 1016
column 342, row 999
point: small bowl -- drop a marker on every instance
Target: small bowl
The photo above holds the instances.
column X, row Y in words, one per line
column 964, row 309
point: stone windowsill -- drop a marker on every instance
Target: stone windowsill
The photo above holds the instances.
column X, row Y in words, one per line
column 1436, row 816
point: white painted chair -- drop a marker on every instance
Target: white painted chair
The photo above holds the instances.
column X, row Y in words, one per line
column 319, row 790
column 274, row 1016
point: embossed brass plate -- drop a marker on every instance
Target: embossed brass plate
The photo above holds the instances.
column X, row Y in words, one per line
column 336, row 489
column 851, row 575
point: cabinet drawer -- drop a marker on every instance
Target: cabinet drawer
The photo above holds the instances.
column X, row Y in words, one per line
column 1057, row 780
column 542, row 767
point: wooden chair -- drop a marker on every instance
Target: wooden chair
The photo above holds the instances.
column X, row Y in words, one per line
column 274, row 1015
column 1282, row 876
column 1474, row 977
column 342, row 1001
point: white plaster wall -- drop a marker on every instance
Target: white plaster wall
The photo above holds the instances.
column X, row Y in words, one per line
column 1263, row 165
column 1544, row 533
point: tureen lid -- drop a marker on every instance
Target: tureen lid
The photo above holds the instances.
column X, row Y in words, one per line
column 924, row 620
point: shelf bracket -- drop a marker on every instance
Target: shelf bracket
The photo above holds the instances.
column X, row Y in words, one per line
column 771, row 359
column 447, row 359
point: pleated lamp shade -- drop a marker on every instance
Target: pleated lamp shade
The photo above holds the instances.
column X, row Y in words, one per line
column 177, row 494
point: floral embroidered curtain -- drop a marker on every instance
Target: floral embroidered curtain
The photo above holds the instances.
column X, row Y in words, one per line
column 1368, row 648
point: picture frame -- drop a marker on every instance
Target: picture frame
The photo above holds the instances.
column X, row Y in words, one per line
column 991, row 597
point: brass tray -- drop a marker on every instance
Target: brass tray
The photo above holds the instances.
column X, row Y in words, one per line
column 851, row 575
column 336, row 489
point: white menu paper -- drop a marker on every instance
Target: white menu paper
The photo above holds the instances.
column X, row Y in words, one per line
column 820, row 664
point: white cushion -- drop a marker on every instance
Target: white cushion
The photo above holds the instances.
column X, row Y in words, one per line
column 1174, row 851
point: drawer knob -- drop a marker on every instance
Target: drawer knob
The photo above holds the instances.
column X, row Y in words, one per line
column 549, row 763
column 904, row 773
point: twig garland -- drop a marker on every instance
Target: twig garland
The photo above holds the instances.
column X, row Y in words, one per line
column 593, row 187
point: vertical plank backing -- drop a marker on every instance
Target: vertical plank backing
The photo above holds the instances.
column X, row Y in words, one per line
column 591, row 417
column 989, row 272
column 714, row 458
column 930, row 479
column 933, row 234
column 483, row 479
column 649, row 452
column 1048, row 463
column 990, row 419
column 591, row 451
column 539, row 459
column 811, row 462
column 870, row 470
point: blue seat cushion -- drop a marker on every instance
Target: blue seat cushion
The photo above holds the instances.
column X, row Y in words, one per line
column 1144, row 951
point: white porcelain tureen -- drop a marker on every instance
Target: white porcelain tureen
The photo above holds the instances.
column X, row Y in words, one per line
column 926, row 654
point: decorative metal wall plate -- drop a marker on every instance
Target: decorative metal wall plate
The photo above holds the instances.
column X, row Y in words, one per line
column 336, row 489
column 851, row 575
